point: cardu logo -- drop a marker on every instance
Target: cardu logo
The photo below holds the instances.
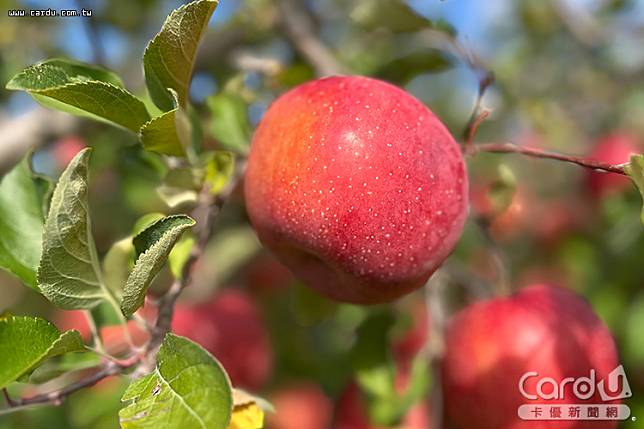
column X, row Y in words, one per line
column 582, row 388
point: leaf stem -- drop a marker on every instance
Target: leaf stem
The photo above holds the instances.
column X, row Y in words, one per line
column 96, row 337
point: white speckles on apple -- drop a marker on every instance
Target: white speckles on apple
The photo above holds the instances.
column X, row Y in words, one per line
column 374, row 166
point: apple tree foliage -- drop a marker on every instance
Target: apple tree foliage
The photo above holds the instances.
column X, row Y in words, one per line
column 47, row 238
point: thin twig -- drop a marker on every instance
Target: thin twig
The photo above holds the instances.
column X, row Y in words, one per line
column 436, row 309
column 212, row 205
column 299, row 28
column 502, row 285
column 56, row 397
column 485, row 77
column 474, row 124
column 7, row 398
column 538, row 153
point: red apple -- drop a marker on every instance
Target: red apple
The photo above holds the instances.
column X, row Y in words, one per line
column 65, row 149
column 357, row 187
column 491, row 345
column 113, row 336
column 302, row 406
column 230, row 326
column 613, row 149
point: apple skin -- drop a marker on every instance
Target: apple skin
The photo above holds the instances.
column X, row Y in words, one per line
column 491, row 344
column 300, row 406
column 614, row 149
column 357, row 187
column 230, row 327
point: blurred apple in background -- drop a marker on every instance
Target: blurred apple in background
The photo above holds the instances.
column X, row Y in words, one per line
column 301, row 406
column 230, row 326
column 64, row 150
column 113, row 336
column 491, row 344
column 613, row 149
column 265, row 275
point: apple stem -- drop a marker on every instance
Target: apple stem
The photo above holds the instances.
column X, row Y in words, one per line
column 538, row 153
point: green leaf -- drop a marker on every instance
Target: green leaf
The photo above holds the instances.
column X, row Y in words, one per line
column 84, row 71
column 635, row 170
column 160, row 135
column 60, row 365
column 169, row 57
column 370, row 355
column 152, row 245
column 22, row 196
column 308, row 306
column 51, row 85
column 220, row 166
column 189, row 389
column 229, row 123
column 403, row 69
column 180, row 254
column 502, row 190
column 117, row 264
column 69, row 274
column 395, row 15
column 145, row 221
column 28, row 341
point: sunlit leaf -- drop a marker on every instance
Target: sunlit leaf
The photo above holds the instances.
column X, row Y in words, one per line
column 248, row 411
column 188, row 389
column 29, row 341
column 502, row 190
column 160, row 135
column 117, row 263
column 60, row 86
column 219, row 168
column 229, row 123
column 635, row 170
column 69, row 274
column 21, row 221
column 170, row 55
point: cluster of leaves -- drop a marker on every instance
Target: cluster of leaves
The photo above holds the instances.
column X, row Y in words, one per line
column 56, row 256
column 46, row 235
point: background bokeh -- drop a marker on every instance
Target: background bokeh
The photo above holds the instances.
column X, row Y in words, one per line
column 568, row 73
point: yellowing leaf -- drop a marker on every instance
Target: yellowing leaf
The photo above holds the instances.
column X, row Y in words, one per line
column 247, row 416
column 219, row 169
